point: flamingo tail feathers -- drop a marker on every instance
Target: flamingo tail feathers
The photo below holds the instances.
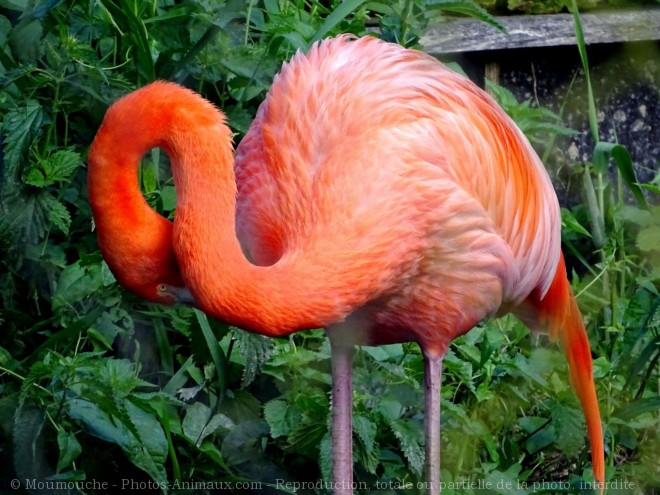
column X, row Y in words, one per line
column 558, row 313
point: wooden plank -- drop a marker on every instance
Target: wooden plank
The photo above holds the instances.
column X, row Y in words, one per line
column 469, row 35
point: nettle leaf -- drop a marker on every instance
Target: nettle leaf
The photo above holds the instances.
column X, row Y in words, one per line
column 243, row 443
column 307, row 436
column 540, row 434
column 20, row 126
column 58, row 167
column 523, row 367
column 281, row 417
column 254, row 350
column 411, row 443
column 77, row 282
column 241, row 406
column 325, row 457
column 31, row 213
column 648, row 238
column 120, row 376
column 147, row 449
column 168, row 197
column 70, row 448
column 569, row 427
column 56, row 213
column 506, row 481
column 26, row 40
column 367, row 449
column 198, row 423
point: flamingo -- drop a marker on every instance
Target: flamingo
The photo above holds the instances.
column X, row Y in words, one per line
column 377, row 194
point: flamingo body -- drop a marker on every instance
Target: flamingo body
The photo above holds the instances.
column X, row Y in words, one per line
column 377, row 194
column 383, row 167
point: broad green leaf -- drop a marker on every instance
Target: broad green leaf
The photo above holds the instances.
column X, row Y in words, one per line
column 17, row 5
column 198, row 422
column 72, row 475
column 243, row 443
column 149, row 176
column 534, row 122
column 5, row 28
column 506, row 482
column 241, row 406
column 540, row 433
column 148, row 450
column 76, row 283
column 281, row 417
column 569, row 427
column 70, row 449
column 526, row 368
column 168, row 196
column 32, row 213
column 26, row 40
column 307, row 436
column 390, row 408
column 98, row 340
column 384, row 352
column 463, row 369
column 637, row 408
column 648, row 238
column 638, row 216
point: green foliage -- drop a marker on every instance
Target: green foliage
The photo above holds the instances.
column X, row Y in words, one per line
column 536, row 122
column 554, row 6
column 98, row 385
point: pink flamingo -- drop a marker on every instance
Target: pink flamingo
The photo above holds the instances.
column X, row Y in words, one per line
column 377, row 194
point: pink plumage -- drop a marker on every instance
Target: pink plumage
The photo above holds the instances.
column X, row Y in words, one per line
column 377, row 194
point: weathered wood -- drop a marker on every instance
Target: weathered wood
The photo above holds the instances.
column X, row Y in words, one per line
column 469, row 35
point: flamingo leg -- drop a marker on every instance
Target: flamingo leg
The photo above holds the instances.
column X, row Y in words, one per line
column 432, row 384
column 342, row 418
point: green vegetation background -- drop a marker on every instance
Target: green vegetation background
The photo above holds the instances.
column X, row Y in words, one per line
column 98, row 385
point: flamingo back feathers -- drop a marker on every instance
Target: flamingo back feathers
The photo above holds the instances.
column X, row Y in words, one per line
column 413, row 135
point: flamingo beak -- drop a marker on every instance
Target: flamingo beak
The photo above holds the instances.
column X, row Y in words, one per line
column 182, row 295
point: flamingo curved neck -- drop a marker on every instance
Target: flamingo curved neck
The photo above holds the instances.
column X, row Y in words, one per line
column 273, row 300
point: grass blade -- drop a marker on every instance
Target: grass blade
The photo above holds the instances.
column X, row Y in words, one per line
column 471, row 9
column 582, row 48
column 342, row 11
column 604, row 151
column 217, row 356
